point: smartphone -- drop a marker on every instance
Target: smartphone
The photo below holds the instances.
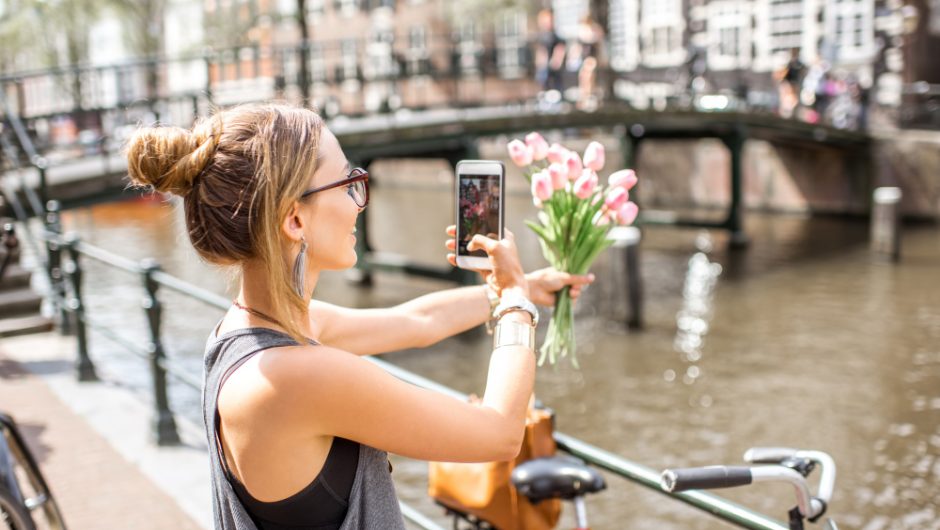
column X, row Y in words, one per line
column 479, row 208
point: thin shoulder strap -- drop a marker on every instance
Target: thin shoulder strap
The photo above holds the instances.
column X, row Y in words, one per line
column 277, row 340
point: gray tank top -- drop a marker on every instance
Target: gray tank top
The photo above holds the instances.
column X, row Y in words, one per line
column 373, row 504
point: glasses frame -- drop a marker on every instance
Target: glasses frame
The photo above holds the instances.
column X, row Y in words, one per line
column 356, row 174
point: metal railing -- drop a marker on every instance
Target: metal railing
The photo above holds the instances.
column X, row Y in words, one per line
column 154, row 279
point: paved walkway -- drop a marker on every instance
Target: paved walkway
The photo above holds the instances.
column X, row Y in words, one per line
column 92, row 441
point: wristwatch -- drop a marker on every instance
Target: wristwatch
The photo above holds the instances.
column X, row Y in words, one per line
column 514, row 301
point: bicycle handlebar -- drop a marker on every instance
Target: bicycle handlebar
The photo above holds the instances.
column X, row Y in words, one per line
column 711, row 477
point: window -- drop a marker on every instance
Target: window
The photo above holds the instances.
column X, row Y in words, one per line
column 850, row 25
column 786, row 26
column 568, row 13
column 468, row 48
column 511, row 45
column 624, row 37
column 315, row 8
column 349, row 62
column 347, row 7
column 417, row 50
column 661, row 27
column 729, row 35
column 317, row 63
column 380, row 61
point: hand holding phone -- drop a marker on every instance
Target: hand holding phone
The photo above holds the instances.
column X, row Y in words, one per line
column 479, row 206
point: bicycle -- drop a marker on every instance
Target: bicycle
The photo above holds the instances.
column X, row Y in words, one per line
column 774, row 464
column 18, row 467
column 556, row 477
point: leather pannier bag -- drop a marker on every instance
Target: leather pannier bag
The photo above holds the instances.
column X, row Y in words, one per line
column 484, row 490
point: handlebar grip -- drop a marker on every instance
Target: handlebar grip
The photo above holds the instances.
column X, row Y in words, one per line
column 768, row 455
column 695, row 478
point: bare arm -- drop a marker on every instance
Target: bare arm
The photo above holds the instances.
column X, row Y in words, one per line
column 415, row 324
column 332, row 392
column 428, row 319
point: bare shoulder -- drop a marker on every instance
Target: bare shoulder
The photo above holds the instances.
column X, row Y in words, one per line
column 285, row 382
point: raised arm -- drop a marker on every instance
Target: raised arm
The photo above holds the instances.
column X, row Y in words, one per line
column 427, row 319
column 332, row 392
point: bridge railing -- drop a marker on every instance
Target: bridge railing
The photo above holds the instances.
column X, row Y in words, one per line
column 66, row 254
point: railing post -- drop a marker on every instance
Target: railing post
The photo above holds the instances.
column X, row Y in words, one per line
column 40, row 165
column 84, row 367
column 54, row 253
column 164, row 425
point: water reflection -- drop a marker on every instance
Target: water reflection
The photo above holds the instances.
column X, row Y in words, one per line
column 693, row 318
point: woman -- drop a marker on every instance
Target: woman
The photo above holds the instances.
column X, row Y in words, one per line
column 298, row 422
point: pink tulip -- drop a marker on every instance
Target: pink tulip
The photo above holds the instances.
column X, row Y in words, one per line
column 627, row 213
column 520, row 153
column 625, row 178
column 557, row 154
column 594, row 156
column 615, row 198
column 559, row 174
column 538, row 145
column 542, row 186
column 585, row 185
column 573, row 161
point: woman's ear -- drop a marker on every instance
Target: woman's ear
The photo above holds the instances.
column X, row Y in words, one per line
column 293, row 224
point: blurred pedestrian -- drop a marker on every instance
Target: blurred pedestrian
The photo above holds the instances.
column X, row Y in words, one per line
column 790, row 78
column 549, row 54
column 589, row 39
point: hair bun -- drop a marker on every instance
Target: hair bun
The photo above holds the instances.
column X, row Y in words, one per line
column 169, row 159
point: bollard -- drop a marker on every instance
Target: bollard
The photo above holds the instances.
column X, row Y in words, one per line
column 886, row 222
column 85, row 368
column 164, row 426
column 628, row 239
column 54, row 266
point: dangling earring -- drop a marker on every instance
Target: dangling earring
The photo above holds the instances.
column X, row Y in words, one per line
column 300, row 269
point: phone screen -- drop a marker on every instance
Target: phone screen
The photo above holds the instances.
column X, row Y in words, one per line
column 478, row 210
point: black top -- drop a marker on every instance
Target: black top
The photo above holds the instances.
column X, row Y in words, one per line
column 328, row 493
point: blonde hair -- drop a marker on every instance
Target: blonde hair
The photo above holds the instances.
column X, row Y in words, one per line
column 239, row 173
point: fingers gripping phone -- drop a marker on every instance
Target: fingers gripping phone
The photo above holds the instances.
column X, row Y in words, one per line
column 479, row 208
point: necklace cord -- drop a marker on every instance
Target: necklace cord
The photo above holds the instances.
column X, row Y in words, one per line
column 256, row 313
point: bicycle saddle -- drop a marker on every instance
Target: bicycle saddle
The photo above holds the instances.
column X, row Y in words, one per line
column 556, row 477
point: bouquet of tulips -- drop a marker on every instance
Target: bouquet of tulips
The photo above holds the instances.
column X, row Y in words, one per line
column 576, row 214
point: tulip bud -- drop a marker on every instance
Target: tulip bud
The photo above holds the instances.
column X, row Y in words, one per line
column 573, row 161
column 520, row 153
column 594, row 156
column 615, row 198
column 585, row 185
column 627, row 213
column 538, row 145
column 557, row 154
column 542, row 186
column 559, row 175
column 625, row 178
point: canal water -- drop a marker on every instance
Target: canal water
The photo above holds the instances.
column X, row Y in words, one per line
column 804, row 340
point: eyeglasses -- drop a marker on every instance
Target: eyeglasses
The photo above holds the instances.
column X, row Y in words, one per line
column 357, row 186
